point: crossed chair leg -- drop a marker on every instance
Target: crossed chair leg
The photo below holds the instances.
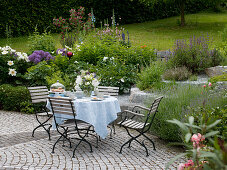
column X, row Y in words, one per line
column 134, row 138
column 82, row 138
column 43, row 124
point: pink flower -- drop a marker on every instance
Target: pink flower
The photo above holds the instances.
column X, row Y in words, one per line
column 196, row 139
column 210, row 84
column 180, row 166
column 204, row 86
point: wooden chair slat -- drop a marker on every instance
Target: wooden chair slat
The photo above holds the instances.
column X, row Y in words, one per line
column 38, row 91
column 39, row 97
column 39, row 100
column 37, row 87
column 39, row 94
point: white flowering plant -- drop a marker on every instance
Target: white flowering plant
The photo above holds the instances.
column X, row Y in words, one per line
column 86, row 81
column 13, row 65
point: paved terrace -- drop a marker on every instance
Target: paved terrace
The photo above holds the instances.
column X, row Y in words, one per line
column 18, row 150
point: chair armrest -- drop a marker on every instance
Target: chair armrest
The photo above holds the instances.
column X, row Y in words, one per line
column 134, row 113
column 141, row 107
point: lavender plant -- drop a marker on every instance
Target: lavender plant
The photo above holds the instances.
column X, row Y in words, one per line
column 38, row 56
column 196, row 54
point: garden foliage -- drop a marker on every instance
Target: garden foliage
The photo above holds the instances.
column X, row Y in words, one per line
column 23, row 17
column 196, row 54
column 13, row 66
column 178, row 104
column 178, row 74
column 42, row 41
column 150, row 76
column 12, row 98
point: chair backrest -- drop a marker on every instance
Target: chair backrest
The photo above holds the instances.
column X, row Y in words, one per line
column 38, row 94
column 153, row 110
column 107, row 90
column 60, row 105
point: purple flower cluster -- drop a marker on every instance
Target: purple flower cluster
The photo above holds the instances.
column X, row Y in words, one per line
column 63, row 52
column 38, row 56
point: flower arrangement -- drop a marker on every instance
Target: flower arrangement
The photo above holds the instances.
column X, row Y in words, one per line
column 86, row 81
column 38, row 56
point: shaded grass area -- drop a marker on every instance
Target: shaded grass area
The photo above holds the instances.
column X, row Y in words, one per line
column 160, row 34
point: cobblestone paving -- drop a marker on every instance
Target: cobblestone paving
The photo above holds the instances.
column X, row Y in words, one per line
column 18, row 150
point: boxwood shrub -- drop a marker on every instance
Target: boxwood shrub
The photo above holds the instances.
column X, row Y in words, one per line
column 12, row 97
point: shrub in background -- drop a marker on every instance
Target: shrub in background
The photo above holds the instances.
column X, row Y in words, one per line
column 11, row 98
column 215, row 79
column 195, row 54
column 178, row 74
column 42, row 41
column 113, row 72
column 150, row 76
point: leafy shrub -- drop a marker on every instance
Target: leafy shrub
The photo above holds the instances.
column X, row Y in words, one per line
column 178, row 74
column 211, row 115
column 27, row 107
column 193, row 78
column 150, row 77
column 13, row 66
column 42, row 41
column 195, row 55
column 37, row 74
column 113, row 72
column 200, row 145
column 177, row 104
column 95, row 49
column 215, row 79
column 11, row 98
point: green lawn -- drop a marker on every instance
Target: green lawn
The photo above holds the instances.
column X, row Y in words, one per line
column 159, row 34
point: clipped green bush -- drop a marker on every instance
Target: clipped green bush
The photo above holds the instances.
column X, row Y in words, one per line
column 12, row 98
column 178, row 74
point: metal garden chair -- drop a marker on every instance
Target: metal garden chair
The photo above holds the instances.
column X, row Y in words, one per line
column 129, row 122
column 39, row 96
column 112, row 91
column 72, row 128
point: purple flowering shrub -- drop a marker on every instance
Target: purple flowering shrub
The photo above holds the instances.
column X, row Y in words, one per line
column 38, row 56
column 195, row 54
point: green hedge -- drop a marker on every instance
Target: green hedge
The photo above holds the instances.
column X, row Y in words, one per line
column 22, row 16
column 13, row 98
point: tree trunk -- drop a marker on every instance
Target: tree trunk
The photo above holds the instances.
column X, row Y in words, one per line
column 182, row 5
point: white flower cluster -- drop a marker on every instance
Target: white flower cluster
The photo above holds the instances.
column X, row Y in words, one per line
column 105, row 58
column 8, row 50
column 86, row 81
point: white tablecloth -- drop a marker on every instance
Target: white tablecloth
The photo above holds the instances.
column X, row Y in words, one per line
column 97, row 113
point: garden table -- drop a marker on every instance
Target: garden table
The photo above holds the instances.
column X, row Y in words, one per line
column 97, row 113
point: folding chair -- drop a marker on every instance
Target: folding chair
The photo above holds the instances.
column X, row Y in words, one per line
column 112, row 91
column 73, row 128
column 130, row 122
column 39, row 95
